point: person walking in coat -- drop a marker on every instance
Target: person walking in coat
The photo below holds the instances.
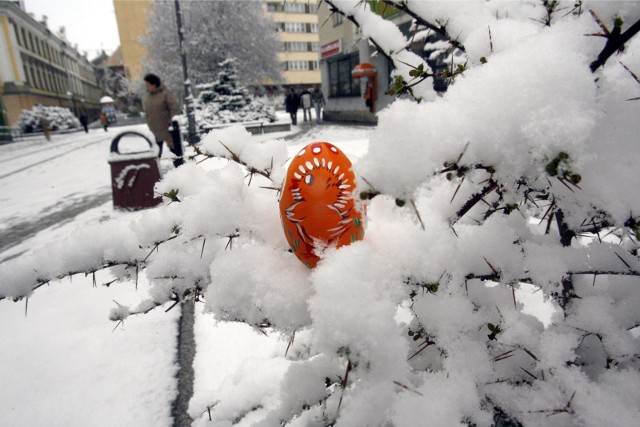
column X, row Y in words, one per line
column 104, row 121
column 318, row 101
column 161, row 107
column 292, row 103
column 84, row 121
column 46, row 129
column 305, row 100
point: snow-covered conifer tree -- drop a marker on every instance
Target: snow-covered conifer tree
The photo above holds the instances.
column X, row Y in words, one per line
column 226, row 101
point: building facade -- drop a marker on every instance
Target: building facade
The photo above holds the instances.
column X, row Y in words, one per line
column 342, row 48
column 40, row 67
column 131, row 17
column 297, row 25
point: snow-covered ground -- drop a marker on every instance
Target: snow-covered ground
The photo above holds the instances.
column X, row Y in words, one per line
column 62, row 362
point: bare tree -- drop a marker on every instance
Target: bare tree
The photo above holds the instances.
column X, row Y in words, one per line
column 213, row 31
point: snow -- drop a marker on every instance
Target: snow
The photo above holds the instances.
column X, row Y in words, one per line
column 64, row 363
column 465, row 290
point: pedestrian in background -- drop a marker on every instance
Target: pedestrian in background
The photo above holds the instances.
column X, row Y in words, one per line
column 161, row 107
column 291, row 104
column 107, row 115
column 305, row 100
column 84, row 121
column 318, row 102
column 103, row 120
column 46, row 130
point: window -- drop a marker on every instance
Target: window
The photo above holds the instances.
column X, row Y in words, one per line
column 294, row 27
column 295, row 46
column 294, row 7
column 273, row 7
column 301, row 46
column 340, row 81
column 313, row 27
column 313, row 8
column 337, row 18
column 297, row 66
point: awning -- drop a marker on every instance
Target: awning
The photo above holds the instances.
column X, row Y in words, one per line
column 363, row 70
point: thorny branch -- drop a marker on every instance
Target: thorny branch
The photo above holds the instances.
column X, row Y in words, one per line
column 615, row 40
column 439, row 29
column 236, row 158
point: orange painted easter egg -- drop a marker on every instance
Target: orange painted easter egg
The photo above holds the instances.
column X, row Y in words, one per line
column 316, row 202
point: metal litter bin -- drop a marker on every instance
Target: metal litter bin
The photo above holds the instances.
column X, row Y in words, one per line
column 133, row 175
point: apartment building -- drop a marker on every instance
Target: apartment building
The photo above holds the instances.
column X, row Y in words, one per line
column 40, row 67
column 297, row 29
column 131, row 17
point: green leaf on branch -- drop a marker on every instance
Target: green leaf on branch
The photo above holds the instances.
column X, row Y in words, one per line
column 397, row 86
column 560, row 166
column 172, row 195
column 494, row 329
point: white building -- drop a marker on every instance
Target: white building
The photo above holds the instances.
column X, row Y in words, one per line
column 40, row 67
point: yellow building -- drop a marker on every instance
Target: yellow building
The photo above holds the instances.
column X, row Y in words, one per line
column 40, row 67
column 297, row 27
column 132, row 24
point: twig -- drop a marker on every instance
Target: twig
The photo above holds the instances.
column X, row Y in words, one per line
column 415, row 208
column 615, row 41
column 293, row 336
column 491, row 185
column 399, row 384
column 344, row 385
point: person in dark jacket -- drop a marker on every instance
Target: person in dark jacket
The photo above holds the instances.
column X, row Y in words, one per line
column 84, row 121
column 292, row 103
column 161, row 107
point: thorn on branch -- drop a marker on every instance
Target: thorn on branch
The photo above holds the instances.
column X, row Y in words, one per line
column 415, row 209
column 204, row 240
column 343, row 385
column 229, row 245
column 475, row 199
column 623, row 261
column 176, row 302
column 293, row 336
column 120, row 322
column 399, row 384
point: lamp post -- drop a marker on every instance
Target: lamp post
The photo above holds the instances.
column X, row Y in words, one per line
column 192, row 136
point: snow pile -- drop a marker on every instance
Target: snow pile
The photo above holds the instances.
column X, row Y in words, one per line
column 56, row 118
column 522, row 176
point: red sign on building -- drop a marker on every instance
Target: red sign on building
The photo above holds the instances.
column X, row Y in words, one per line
column 331, row 48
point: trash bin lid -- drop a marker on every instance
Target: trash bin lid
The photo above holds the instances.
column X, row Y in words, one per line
column 116, row 155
